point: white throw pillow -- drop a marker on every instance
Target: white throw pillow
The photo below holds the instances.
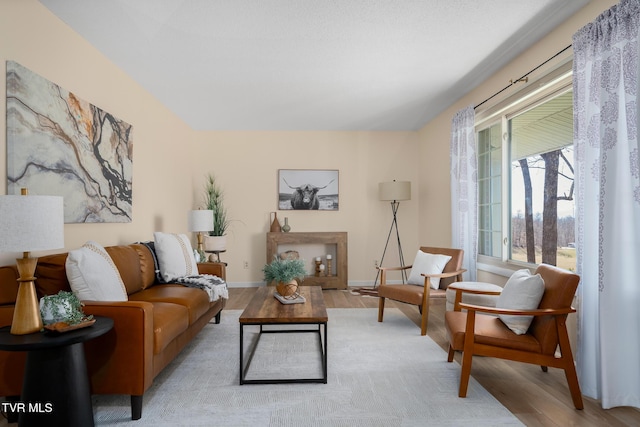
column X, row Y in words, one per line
column 93, row 276
column 523, row 291
column 175, row 256
column 426, row 263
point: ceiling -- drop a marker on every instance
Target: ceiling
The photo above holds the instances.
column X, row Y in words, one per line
column 310, row 64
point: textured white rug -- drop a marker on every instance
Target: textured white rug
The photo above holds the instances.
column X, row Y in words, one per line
column 380, row 374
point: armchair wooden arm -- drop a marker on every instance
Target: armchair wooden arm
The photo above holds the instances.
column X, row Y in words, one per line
column 449, row 274
column 512, row 312
column 394, row 268
column 383, row 272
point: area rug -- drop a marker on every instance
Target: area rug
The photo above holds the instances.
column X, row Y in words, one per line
column 379, row 374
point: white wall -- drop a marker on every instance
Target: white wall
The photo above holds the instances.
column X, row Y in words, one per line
column 247, row 163
column 170, row 160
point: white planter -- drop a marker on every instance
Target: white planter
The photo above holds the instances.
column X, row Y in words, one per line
column 215, row 243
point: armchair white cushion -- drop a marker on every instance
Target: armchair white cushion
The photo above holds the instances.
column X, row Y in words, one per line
column 523, row 291
column 426, row 263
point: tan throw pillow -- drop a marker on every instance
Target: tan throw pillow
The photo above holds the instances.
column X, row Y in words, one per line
column 93, row 276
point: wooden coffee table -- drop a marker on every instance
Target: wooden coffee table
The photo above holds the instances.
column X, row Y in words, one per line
column 264, row 309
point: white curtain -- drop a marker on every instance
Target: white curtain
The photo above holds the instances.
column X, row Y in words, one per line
column 464, row 188
column 606, row 98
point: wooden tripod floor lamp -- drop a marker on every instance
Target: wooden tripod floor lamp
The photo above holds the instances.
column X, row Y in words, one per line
column 394, row 192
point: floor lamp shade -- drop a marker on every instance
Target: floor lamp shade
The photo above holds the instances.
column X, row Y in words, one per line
column 394, row 190
column 29, row 223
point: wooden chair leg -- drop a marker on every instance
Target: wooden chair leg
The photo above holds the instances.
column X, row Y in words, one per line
column 544, row 368
column 467, row 358
column 425, row 319
column 451, row 354
column 569, row 367
column 380, row 308
column 467, row 352
column 574, row 387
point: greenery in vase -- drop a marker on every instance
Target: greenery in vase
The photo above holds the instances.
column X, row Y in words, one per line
column 64, row 307
column 214, row 200
column 284, row 270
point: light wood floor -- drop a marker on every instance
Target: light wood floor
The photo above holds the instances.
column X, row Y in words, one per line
column 535, row 397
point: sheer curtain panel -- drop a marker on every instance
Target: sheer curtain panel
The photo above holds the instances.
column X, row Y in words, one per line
column 606, row 63
column 464, row 188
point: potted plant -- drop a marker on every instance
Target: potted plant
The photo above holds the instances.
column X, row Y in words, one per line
column 62, row 307
column 284, row 273
column 214, row 200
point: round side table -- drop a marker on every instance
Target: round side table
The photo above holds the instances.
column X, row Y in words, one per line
column 55, row 390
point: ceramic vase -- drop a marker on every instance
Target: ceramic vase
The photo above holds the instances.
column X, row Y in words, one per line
column 275, row 224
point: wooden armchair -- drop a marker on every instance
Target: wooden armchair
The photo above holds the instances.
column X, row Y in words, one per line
column 420, row 295
column 483, row 335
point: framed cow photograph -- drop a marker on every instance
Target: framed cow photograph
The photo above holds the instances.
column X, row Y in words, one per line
column 308, row 189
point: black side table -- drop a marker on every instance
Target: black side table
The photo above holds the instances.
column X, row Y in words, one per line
column 55, row 390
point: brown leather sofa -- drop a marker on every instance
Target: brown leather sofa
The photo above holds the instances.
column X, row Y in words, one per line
column 150, row 329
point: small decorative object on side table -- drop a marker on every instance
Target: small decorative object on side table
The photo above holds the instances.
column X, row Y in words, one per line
column 215, row 256
column 329, row 259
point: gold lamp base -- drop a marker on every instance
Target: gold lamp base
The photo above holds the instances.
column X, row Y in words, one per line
column 26, row 316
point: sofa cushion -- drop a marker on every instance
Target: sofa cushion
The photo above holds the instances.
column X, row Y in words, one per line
column 8, row 285
column 149, row 269
column 175, row 256
column 426, row 263
column 51, row 276
column 195, row 300
column 169, row 321
column 128, row 264
column 93, row 276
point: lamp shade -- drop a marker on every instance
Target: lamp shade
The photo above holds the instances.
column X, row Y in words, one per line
column 31, row 223
column 395, row 190
column 201, row 220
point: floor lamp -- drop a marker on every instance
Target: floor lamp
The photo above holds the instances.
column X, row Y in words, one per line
column 394, row 192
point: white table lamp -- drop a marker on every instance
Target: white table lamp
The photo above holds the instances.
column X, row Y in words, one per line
column 29, row 223
column 200, row 221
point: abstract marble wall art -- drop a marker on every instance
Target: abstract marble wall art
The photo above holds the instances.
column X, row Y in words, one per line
column 58, row 144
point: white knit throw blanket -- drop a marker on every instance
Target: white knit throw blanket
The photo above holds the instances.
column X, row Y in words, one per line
column 213, row 285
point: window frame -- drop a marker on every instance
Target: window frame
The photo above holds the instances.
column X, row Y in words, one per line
column 555, row 82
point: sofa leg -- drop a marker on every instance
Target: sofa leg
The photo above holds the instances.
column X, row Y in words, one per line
column 218, row 317
column 136, row 407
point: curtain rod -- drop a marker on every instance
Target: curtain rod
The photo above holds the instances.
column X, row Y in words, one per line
column 524, row 78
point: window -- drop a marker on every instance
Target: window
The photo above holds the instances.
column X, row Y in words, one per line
column 525, row 180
